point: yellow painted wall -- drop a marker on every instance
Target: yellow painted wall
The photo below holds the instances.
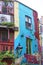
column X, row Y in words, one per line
column 16, row 18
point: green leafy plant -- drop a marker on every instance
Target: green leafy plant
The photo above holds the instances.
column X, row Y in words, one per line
column 12, row 64
column 3, row 63
column 7, row 23
column 7, row 54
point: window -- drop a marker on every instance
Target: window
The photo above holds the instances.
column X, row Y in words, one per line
column 4, row 35
column 7, row 7
column 40, row 29
column 3, row 48
column 28, row 46
column 6, row 48
column 28, row 22
column 11, row 35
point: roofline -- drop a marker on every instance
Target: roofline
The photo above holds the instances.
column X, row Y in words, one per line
column 26, row 6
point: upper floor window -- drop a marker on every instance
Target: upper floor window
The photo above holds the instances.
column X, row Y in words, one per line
column 4, row 36
column 3, row 48
column 6, row 7
column 28, row 22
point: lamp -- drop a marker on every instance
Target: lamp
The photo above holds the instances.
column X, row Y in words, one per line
column 19, row 49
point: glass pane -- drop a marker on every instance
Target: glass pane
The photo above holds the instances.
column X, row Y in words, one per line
column 4, row 36
column 6, row 48
column 3, row 48
column 29, row 20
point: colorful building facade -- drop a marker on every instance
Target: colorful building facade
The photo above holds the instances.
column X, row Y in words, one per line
column 19, row 29
column 6, row 31
column 27, row 36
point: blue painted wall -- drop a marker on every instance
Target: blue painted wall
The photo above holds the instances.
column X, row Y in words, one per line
column 23, row 10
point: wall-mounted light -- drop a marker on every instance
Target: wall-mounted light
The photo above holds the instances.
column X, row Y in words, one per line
column 19, row 49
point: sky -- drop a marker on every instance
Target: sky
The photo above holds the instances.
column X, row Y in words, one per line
column 34, row 4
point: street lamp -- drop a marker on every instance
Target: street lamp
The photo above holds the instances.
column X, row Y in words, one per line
column 19, row 49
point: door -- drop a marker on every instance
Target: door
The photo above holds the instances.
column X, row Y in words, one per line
column 28, row 46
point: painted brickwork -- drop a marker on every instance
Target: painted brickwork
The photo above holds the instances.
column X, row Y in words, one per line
column 27, row 33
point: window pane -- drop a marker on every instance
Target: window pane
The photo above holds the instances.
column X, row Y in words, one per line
column 28, row 19
column 4, row 36
column 6, row 48
column 3, row 48
column 28, row 25
column 28, row 22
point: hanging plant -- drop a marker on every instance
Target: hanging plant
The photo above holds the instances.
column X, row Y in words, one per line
column 7, row 23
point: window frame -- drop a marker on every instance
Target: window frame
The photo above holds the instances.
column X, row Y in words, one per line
column 4, row 36
column 6, row 48
column 27, row 23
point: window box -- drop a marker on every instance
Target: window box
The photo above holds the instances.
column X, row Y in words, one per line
column 7, row 23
